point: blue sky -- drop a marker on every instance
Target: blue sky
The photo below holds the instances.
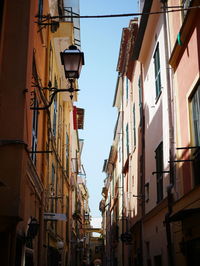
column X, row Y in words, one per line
column 100, row 42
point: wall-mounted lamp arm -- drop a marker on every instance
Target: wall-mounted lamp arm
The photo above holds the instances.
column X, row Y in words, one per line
column 55, row 91
column 160, row 172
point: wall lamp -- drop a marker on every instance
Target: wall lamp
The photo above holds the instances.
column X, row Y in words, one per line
column 72, row 59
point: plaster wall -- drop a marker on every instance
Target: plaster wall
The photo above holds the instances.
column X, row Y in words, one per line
column 156, row 115
column 155, row 236
column 186, row 82
column 135, row 150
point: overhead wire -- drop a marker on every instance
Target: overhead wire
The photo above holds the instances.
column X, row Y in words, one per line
column 170, row 9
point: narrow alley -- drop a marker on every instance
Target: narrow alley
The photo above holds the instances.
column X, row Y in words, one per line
column 143, row 206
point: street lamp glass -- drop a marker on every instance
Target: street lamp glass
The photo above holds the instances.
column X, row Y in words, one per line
column 72, row 59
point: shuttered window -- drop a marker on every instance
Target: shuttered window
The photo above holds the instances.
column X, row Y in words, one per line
column 127, row 140
column 195, row 121
column 40, row 9
column 140, row 100
column 195, row 104
column 134, row 128
column 157, row 71
column 55, row 111
column 159, row 171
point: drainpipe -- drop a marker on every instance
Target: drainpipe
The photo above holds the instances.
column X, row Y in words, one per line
column 142, row 191
column 123, row 225
column 171, row 139
column 167, row 226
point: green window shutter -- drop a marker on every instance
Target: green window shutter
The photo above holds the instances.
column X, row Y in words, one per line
column 134, row 129
column 140, row 101
column 127, row 140
column 127, row 88
column 195, row 116
column 157, row 71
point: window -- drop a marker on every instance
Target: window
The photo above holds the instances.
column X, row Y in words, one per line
column 134, row 128
column 54, row 115
column 148, row 253
column 50, row 61
column 127, row 88
column 193, row 251
column 67, row 214
column 34, row 130
column 158, row 260
column 113, row 185
column 19, row 250
column 146, row 186
column 35, row 114
column 127, row 140
column 40, row 8
column 1, row 15
column 159, row 171
column 119, row 153
column 185, row 4
column 55, row 111
column 195, row 105
column 67, row 154
column 53, row 190
column 140, row 101
column 195, row 108
column 157, row 71
column 53, row 193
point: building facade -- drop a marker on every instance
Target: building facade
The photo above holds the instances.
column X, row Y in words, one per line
column 40, row 148
column 184, row 56
column 153, row 194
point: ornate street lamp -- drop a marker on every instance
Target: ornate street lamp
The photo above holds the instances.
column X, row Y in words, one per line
column 72, row 59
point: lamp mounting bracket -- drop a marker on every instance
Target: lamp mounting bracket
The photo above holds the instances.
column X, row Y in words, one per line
column 54, row 91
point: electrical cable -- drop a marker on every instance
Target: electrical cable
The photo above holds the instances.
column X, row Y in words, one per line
column 169, row 10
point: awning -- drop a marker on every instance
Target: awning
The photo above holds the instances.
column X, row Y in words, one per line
column 185, row 213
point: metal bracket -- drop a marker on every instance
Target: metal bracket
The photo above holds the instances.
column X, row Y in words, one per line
column 55, row 91
column 160, row 172
column 40, row 151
